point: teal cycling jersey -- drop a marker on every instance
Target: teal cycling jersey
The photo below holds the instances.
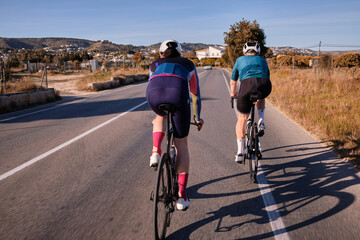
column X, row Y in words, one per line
column 250, row 67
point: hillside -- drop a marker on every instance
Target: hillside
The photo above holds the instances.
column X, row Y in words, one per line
column 104, row 46
column 39, row 43
column 185, row 46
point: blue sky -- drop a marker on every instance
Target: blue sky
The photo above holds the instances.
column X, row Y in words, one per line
column 286, row 23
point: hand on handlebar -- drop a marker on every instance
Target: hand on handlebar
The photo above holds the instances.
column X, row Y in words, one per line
column 199, row 124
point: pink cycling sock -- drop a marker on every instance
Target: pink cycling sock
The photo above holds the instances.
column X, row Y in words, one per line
column 157, row 139
column 182, row 179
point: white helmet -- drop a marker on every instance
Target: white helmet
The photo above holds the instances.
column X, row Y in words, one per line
column 170, row 43
column 251, row 46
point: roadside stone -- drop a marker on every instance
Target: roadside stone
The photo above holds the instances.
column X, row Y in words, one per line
column 16, row 101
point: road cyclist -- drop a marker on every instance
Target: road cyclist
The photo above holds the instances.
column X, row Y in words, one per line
column 253, row 72
column 171, row 77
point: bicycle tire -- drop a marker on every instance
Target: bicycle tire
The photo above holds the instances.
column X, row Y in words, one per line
column 253, row 158
column 162, row 198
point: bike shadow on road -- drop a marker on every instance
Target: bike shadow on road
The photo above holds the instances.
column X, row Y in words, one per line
column 309, row 177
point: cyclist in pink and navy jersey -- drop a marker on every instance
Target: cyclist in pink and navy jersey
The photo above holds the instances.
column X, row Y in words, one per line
column 171, row 76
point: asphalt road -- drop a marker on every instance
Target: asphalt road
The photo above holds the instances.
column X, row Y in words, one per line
column 78, row 169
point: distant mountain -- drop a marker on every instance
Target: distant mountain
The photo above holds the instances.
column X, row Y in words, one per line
column 39, row 43
column 104, row 46
column 185, row 46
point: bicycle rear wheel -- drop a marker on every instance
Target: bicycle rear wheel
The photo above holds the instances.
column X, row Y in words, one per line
column 162, row 198
column 254, row 157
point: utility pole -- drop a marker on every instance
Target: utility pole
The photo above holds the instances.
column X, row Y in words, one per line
column 319, row 47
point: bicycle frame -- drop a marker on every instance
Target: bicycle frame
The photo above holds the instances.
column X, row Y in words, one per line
column 170, row 150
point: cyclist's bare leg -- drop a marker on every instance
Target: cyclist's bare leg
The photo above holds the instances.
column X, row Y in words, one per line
column 240, row 136
column 182, row 155
column 241, row 125
column 182, row 165
column 159, row 125
column 260, row 105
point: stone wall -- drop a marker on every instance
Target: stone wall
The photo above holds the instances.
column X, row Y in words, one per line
column 16, row 101
column 119, row 81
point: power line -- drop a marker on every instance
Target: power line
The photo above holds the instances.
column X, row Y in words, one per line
column 332, row 45
column 339, row 45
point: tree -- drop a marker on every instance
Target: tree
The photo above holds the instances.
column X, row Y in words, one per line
column 240, row 33
column 190, row 54
column 138, row 57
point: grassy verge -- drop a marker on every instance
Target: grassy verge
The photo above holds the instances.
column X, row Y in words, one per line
column 324, row 102
column 21, row 85
column 83, row 83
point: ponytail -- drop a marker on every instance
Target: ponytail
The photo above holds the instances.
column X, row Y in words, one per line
column 171, row 52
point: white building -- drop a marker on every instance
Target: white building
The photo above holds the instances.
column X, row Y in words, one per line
column 211, row 52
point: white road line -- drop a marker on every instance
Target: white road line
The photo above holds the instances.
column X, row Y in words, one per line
column 64, row 104
column 276, row 222
column 42, row 156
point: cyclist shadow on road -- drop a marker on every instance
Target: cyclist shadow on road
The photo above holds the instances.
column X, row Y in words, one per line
column 237, row 209
column 310, row 174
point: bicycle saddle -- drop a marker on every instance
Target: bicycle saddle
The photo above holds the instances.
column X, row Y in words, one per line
column 255, row 96
column 167, row 107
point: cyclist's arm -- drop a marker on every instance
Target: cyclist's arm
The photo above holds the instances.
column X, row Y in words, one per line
column 233, row 80
column 233, row 88
column 195, row 93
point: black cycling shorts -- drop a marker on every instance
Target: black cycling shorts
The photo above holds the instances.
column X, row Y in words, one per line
column 174, row 91
column 256, row 86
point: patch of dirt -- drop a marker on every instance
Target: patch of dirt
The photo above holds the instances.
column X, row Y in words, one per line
column 65, row 83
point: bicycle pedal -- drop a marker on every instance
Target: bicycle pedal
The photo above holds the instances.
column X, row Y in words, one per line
column 152, row 196
column 171, row 209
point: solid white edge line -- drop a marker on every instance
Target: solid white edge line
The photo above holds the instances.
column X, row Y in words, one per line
column 276, row 222
column 38, row 158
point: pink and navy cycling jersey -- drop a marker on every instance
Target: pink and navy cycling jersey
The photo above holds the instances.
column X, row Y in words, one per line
column 181, row 68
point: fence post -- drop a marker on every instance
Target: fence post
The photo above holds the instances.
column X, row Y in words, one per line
column 4, row 77
column 42, row 78
column 1, row 80
column 46, row 80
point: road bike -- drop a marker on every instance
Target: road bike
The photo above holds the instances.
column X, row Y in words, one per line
column 166, row 188
column 252, row 143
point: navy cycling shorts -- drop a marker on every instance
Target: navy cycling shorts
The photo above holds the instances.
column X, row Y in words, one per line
column 174, row 91
column 258, row 86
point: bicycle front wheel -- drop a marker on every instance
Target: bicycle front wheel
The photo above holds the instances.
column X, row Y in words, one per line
column 162, row 198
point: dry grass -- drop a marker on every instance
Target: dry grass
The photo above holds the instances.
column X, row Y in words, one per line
column 325, row 102
column 98, row 76
column 21, row 85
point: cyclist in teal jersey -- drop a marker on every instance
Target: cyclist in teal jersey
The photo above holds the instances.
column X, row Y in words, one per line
column 253, row 72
